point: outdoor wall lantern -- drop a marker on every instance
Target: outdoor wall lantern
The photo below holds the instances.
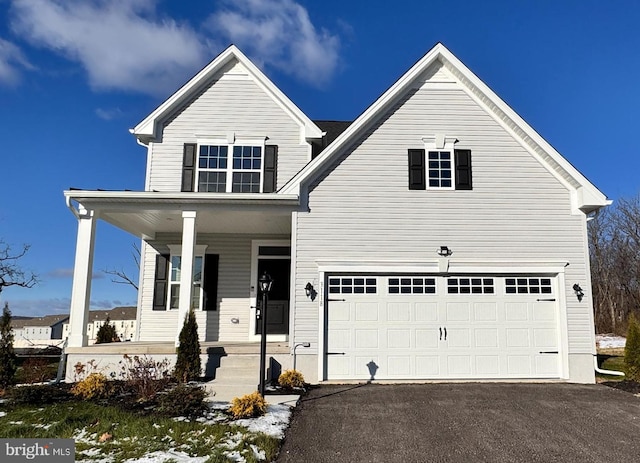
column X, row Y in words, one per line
column 578, row 291
column 265, row 283
column 444, row 251
column 310, row 291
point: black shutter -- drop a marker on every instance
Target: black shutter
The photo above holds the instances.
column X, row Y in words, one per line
column 463, row 169
column 161, row 284
column 188, row 167
column 269, row 184
column 210, row 282
column 416, row 170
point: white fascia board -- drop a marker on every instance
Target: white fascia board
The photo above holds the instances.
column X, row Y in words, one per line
column 293, row 186
column 595, row 197
column 169, row 196
column 146, row 129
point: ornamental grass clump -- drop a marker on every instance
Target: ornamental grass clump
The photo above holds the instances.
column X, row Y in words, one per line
column 291, row 379
column 248, row 406
column 94, row 386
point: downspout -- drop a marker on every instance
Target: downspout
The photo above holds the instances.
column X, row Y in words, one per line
column 604, row 372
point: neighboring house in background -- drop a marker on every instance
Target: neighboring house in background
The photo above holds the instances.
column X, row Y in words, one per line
column 123, row 318
column 438, row 236
column 39, row 331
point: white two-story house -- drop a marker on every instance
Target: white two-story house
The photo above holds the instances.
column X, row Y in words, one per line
column 437, row 236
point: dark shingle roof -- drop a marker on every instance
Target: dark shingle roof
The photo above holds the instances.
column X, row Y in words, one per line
column 117, row 313
column 45, row 321
column 332, row 128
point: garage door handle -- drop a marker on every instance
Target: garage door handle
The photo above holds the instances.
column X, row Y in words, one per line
column 545, row 300
column 337, row 300
column 549, row 352
column 445, row 334
column 336, row 353
column 440, row 333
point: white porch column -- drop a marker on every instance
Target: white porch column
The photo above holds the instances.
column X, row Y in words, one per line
column 186, row 267
column 82, row 269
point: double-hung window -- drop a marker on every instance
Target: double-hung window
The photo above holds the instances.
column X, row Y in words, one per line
column 175, row 276
column 439, row 169
column 230, row 168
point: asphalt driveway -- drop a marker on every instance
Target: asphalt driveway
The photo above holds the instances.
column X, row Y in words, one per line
column 470, row 422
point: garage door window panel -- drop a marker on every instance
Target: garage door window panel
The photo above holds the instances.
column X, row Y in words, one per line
column 465, row 285
column 352, row 285
column 412, row 285
column 528, row 286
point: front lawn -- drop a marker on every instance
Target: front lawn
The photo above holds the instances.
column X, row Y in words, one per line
column 111, row 433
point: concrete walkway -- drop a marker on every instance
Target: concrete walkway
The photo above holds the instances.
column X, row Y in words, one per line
column 470, row 422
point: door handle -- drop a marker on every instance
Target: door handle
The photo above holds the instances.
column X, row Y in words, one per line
column 445, row 333
column 440, row 333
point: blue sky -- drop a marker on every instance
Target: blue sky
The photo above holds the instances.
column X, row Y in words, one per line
column 76, row 75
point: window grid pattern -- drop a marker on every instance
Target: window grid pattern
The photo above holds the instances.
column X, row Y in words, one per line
column 440, row 171
column 412, row 285
column 212, row 182
column 528, row 286
column 470, row 286
column 175, row 275
column 352, row 285
column 219, row 174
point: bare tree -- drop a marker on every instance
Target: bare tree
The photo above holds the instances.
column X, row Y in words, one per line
column 120, row 276
column 11, row 274
column 614, row 245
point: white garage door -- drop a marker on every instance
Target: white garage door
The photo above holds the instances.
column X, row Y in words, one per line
column 434, row 327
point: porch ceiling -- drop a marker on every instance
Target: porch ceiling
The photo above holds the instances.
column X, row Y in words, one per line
column 145, row 214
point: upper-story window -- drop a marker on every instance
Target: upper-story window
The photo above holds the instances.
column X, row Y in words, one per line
column 440, row 171
column 239, row 173
column 216, row 166
column 439, row 166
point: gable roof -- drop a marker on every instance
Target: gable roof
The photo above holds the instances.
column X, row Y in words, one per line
column 147, row 129
column 585, row 196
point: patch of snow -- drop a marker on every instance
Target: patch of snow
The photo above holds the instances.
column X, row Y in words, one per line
column 16, row 422
column 43, row 426
column 608, row 341
column 273, row 423
column 3, row 414
column 171, row 455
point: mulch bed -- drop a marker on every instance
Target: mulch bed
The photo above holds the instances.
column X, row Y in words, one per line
column 627, row 386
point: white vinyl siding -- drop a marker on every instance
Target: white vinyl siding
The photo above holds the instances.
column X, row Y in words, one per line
column 233, row 104
column 234, row 281
column 517, row 211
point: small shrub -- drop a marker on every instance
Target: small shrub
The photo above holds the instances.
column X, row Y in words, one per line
column 38, row 395
column 8, row 359
column 107, row 333
column 82, row 370
column 94, row 386
column 144, row 376
column 248, row 406
column 188, row 359
column 632, row 350
column 183, row 400
column 36, row 370
column 291, row 379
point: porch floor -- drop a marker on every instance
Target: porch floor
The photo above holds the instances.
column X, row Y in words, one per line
column 156, row 347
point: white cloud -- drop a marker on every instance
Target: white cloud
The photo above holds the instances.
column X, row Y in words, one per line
column 12, row 61
column 108, row 114
column 122, row 44
column 279, row 33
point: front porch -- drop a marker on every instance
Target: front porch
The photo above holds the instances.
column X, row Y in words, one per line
column 200, row 251
column 232, row 369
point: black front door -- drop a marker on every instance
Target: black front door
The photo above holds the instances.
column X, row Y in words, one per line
column 278, row 305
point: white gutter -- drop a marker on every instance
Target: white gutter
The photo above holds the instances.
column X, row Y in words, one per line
column 605, row 372
column 71, row 208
